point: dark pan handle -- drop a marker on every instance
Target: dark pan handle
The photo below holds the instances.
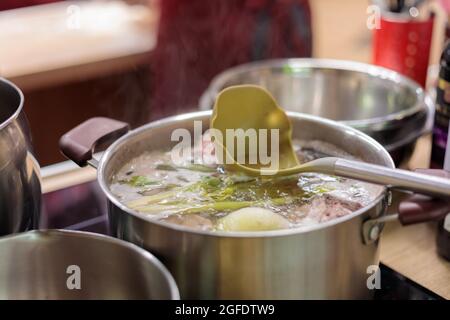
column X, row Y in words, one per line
column 79, row 143
column 420, row 208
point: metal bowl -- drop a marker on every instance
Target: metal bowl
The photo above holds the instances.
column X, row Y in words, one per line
column 60, row 264
column 382, row 103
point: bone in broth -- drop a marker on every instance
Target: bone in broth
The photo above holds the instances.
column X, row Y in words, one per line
column 207, row 197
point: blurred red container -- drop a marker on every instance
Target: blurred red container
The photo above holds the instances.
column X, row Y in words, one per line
column 402, row 43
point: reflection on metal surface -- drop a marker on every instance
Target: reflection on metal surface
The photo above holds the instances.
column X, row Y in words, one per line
column 39, row 261
column 20, row 190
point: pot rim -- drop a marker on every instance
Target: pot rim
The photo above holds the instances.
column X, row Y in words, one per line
column 414, row 135
column 247, row 234
column 173, row 288
column 16, row 113
column 375, row 123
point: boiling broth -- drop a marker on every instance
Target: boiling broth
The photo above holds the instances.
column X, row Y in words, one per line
column 205, row 196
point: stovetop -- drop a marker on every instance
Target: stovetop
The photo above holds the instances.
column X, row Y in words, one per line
column 83, row 207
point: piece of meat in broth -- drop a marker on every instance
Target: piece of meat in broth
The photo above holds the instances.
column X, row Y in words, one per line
column 327, row 207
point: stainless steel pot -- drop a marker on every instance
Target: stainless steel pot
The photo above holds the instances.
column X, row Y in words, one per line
column 330, row 260
column 20, row 191
column 382, row 103
column 46, row 264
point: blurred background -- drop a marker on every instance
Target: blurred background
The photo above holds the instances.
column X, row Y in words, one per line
column 141, row 60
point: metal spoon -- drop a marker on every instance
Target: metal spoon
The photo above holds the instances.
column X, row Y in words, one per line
column 252, row 107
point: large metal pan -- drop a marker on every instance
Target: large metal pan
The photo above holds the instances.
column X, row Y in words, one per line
column 59, row 264
column 331, row 260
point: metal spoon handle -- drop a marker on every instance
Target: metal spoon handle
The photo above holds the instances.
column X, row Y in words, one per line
column 395, row 178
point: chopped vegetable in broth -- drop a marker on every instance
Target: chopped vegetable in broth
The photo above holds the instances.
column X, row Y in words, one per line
column 204, row 196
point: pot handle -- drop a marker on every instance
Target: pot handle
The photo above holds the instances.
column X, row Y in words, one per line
column 417, row 209
column 79, row 143
column 421, row 208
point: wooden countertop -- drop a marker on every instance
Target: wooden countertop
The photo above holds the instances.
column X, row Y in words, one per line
column 69, row 41
column 411, row 250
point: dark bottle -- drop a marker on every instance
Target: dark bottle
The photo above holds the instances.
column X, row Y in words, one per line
column 443, row 237
column 439, row 159
column 442, row 115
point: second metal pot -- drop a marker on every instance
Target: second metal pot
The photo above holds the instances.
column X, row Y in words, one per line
column 380, row 102
column 59, row 264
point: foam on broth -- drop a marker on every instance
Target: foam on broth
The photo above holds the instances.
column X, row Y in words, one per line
column 204, row 196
